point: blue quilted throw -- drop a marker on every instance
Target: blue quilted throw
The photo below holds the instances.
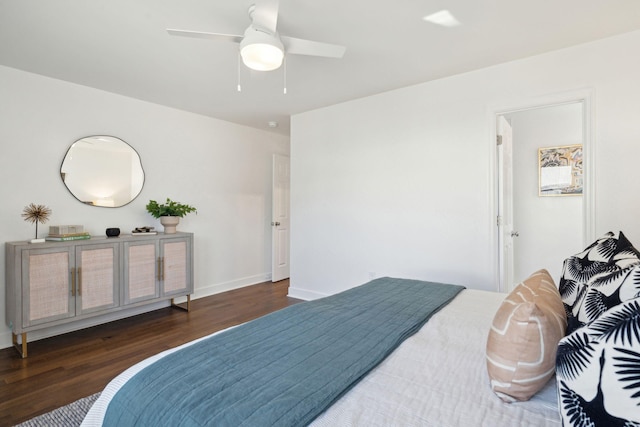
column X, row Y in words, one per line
column 283, row 369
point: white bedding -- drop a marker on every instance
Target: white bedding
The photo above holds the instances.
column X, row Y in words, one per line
column 438, row 377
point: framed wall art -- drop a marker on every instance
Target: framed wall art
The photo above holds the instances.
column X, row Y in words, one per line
column 560, row 171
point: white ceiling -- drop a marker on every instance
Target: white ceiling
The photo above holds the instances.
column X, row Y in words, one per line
column 121, row 46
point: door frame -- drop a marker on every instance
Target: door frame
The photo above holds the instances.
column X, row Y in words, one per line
column 585, row 96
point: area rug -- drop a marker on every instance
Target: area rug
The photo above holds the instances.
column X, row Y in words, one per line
column 67, row 416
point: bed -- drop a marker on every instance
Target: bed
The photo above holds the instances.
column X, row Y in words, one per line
column 416, row 383
column 440, row 374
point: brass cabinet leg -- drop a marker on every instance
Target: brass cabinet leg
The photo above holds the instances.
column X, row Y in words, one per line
column 21, row 347
column 182, row 307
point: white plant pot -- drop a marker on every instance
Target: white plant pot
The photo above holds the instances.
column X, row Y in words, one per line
column 169, row 223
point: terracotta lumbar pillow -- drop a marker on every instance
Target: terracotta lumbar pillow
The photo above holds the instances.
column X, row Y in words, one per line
column 524, row 336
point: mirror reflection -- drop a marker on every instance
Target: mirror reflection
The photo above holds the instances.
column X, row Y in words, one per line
column 102, row 171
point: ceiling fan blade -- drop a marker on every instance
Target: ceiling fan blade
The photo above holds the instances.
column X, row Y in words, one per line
column 311, row 48
column 204, row 35
column 264, row 14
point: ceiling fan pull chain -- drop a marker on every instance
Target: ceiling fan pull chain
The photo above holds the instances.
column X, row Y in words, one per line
column 284, row 63
column 239, row 86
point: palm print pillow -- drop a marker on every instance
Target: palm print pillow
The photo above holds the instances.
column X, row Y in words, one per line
column 608, row 290
column 598, row 370
column 592, row 281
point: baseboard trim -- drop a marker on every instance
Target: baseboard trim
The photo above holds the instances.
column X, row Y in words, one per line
column 218, row 288
column 304, row 294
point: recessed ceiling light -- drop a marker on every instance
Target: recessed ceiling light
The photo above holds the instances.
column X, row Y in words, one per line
column 443, row 18
column 273, row 124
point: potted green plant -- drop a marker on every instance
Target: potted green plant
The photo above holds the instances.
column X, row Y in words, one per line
column 169, row 213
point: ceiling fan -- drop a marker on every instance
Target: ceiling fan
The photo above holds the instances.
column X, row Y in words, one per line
column 261, row 47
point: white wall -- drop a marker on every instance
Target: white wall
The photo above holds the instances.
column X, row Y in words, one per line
column 221, row 168
column 401, row 184
column 549, row 227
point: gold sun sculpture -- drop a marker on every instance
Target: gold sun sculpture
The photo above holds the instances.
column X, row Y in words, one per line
column 36, row 213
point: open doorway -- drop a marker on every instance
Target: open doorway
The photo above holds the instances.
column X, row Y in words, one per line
column 538, row 231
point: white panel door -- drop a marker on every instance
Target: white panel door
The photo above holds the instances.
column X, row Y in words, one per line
column 506, row 233
column 280, row 219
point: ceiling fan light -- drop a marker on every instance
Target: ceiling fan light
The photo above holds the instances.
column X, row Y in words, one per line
column 262, row 56
column 260, row 50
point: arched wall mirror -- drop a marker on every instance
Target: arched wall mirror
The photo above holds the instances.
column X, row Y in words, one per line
column 102, row 171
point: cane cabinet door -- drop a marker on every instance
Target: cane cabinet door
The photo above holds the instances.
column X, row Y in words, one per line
column 176, row 266
column 97, row 278
column 47, row 285
column 141, row 271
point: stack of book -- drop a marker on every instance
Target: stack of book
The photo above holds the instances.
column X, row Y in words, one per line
column 70, row 236
column 62, row 233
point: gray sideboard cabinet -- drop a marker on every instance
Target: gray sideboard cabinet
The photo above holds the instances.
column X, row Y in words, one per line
column 57, row 287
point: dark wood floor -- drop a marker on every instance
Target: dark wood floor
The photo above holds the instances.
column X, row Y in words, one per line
column 62, row 369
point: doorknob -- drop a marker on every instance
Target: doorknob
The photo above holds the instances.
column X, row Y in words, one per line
column 515, row 234
column 275, row 223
